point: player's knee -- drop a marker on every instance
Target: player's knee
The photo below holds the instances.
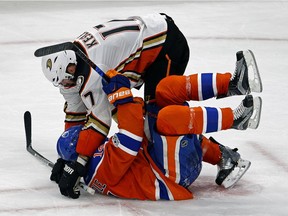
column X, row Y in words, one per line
column 168, row 90
column 172, row 120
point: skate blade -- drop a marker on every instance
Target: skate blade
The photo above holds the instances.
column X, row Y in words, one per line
column 237, row 173
column 255, row 82
column 254, row 120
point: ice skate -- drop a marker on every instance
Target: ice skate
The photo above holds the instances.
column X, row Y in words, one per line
column 231, row 166
column 246, row 77
column 248, row 113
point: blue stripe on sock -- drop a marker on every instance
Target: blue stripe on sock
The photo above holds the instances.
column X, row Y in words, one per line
column 212, row 119
column 207, row 85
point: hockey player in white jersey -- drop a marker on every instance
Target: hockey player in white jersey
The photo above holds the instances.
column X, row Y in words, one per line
column 141, row 48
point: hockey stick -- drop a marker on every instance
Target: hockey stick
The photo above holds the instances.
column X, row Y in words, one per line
column 70, row 46
column 37, row 155
column 29, row 148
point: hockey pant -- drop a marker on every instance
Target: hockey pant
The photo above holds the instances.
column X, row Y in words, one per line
column 172, row 60
column 179, row 157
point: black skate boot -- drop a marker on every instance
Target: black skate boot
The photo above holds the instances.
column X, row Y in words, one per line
column 239, row 84
column 243, row 113
column 248, row 113
column 246, row 77
column 231, row 166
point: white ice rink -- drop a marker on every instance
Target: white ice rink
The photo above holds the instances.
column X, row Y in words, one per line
column 215, row 30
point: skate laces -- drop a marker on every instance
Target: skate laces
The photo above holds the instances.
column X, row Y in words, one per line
column 235, row 72
column 238, row 112
column 238, row 66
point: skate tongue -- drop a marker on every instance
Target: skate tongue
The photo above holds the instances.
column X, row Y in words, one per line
column 237, row 173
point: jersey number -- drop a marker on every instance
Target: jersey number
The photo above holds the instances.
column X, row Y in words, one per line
column 89, row 40
column 89, row 94
column 108, row 33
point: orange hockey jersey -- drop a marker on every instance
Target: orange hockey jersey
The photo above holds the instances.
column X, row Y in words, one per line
column 123, row 168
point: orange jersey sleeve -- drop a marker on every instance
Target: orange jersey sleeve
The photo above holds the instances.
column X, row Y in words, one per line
column 90, row 138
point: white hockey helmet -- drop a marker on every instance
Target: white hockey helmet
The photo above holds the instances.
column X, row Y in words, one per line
column 54, row 66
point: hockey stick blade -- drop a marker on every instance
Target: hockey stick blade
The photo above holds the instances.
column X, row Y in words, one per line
column 29, row 148
column 37, row 155
column 53, row 49
column 28, row 126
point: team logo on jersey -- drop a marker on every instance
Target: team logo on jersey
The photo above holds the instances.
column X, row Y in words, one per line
column 65, row 134
column 184, row 143
column 115, row 140
column 49, row 64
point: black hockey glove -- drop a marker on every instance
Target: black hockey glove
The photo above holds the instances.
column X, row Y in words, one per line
column 69, row 181
column 57, row 170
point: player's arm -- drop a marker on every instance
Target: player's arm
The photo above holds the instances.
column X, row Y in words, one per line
column 74, row 108
column 120, row 95
column 124, row 145
column 99, row 120
column 90, row 137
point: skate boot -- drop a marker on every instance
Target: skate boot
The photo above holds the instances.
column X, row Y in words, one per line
column 246, row 77
column 248, row 113
column 231, row 167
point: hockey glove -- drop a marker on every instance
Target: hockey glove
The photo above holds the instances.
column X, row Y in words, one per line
column 57, row 170
column 69, row 181
column 118, row 89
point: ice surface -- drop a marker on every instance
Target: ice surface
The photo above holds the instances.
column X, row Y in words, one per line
column 215, row 30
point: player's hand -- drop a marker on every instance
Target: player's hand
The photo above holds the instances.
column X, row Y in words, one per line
column 57, row 170
column 118, row 89
column 69, row 181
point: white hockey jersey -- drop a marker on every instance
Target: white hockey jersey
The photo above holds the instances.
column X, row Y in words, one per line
column 129, row 46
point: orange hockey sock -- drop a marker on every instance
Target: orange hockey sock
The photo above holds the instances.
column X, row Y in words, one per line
column 211, row 151
column 179, row 120
column 175, row 90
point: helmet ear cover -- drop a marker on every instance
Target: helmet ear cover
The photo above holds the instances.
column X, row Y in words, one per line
column 54, row 66
column 67, row 142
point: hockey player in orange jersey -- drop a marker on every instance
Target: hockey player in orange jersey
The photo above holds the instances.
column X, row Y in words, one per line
column 161, row 158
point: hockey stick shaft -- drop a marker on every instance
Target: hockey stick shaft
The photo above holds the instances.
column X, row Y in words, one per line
column 70, row 46
column 32, row 151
